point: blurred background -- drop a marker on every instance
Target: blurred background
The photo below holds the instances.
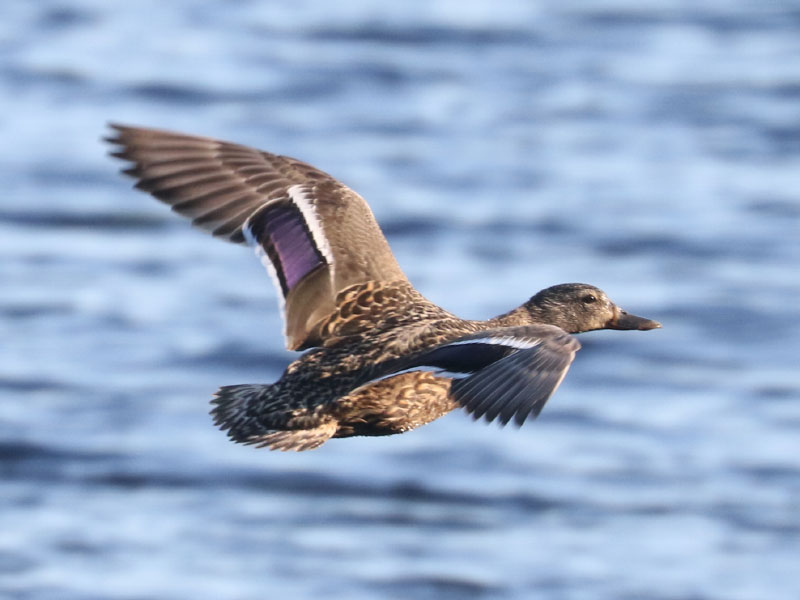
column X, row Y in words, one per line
column 652, row 149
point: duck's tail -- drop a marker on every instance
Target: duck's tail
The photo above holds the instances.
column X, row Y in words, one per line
column 235, row 410
column 252, row 414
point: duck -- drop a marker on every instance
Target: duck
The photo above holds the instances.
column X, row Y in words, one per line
column 378, row 357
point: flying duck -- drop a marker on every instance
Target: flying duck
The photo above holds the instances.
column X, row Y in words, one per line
column 379, row 357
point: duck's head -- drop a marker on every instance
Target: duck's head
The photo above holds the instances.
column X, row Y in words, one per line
column 577, row 307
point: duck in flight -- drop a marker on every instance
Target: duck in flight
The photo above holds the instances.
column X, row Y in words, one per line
column 380, row 358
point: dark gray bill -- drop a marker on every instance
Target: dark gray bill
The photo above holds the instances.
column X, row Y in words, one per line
column 628, row 321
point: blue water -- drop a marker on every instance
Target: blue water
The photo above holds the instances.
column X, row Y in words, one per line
column 652, row 149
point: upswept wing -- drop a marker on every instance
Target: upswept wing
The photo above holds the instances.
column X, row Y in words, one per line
column 315, row 235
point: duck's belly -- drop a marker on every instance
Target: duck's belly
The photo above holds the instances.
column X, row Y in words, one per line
column 393, row 405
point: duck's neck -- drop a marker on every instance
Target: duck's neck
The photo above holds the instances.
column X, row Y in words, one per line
column 513, row 318
column 532, row 314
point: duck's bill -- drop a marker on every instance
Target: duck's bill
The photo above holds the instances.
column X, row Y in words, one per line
column 628, row 321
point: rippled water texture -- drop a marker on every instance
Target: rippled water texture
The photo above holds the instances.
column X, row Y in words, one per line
column 652, row 151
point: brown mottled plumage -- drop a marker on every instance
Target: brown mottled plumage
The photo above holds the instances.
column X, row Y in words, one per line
column 381, row 358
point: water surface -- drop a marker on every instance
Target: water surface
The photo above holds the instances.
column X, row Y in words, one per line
column 650, row 150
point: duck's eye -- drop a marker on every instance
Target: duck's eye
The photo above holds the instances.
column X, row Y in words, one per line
column 589, row 299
